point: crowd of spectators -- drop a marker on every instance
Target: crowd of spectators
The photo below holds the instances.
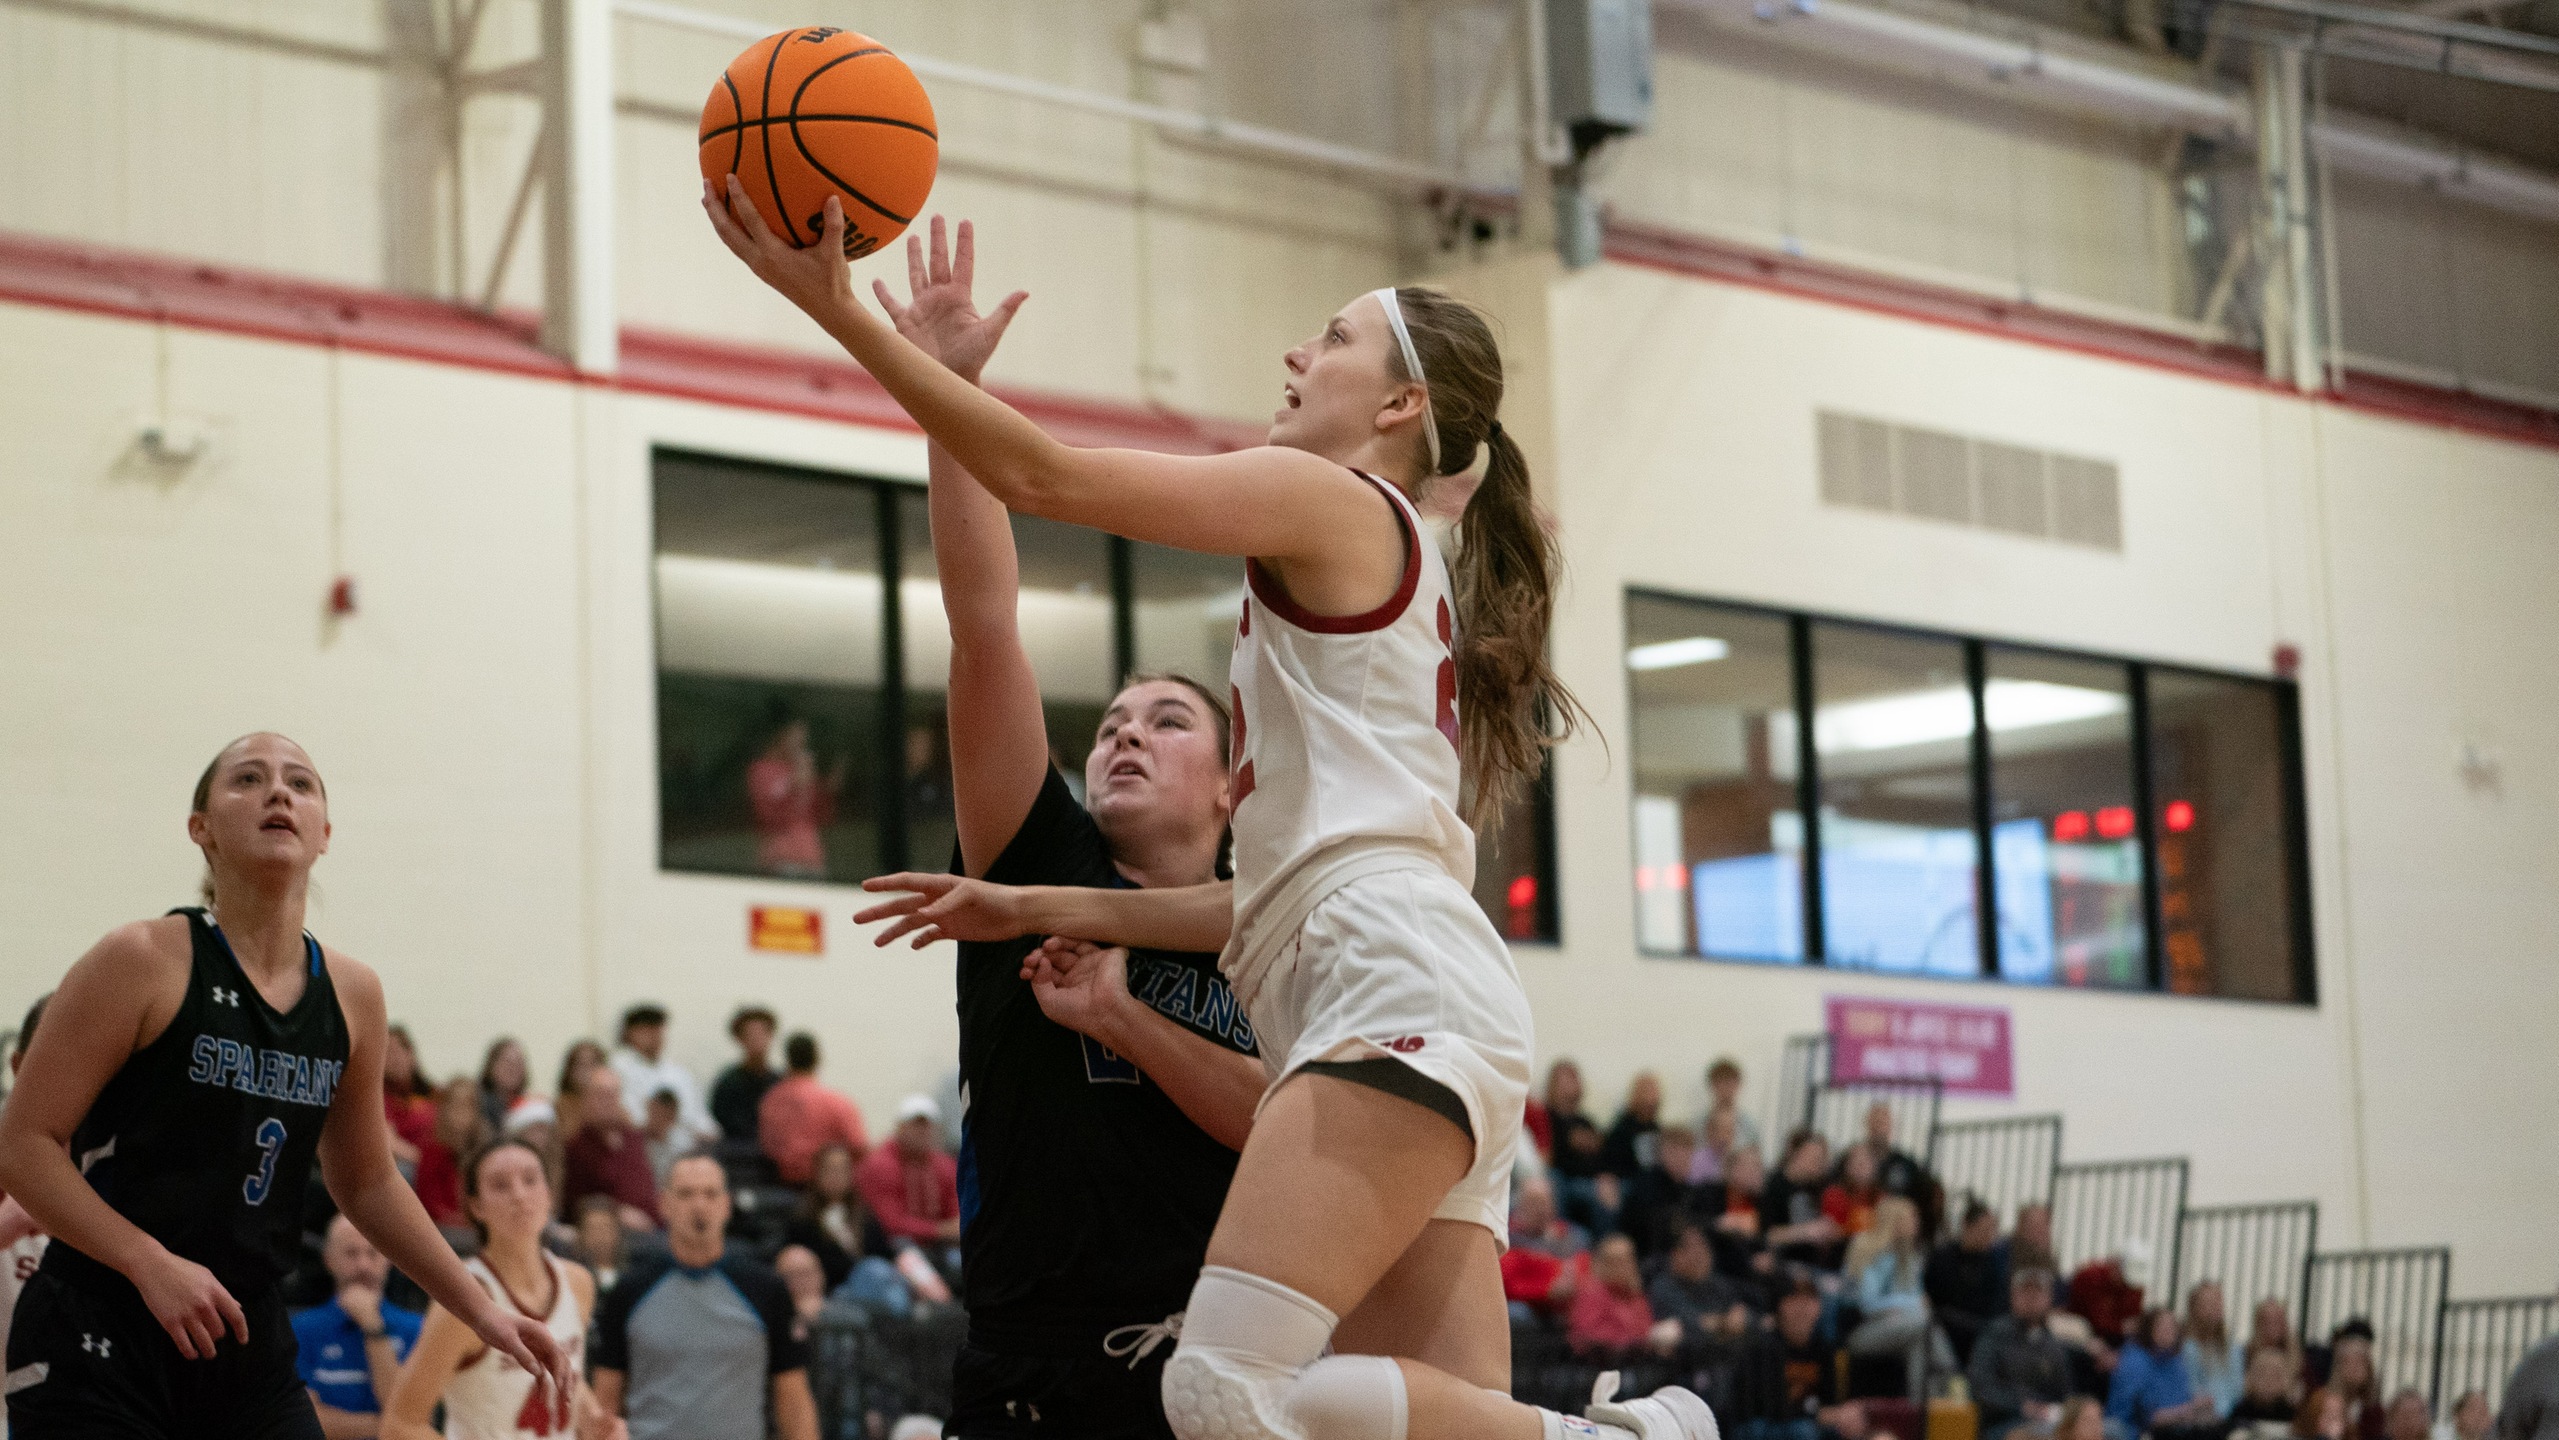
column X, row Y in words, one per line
column 768, row 1183
column 1821, row 1295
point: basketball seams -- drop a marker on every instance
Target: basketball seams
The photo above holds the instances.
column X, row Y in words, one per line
column 773, row 182
column 802, row 145
column 737, row 106
column 819, row 119
column 857, row 94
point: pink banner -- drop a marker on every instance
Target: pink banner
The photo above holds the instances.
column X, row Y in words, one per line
column 1965, row 1046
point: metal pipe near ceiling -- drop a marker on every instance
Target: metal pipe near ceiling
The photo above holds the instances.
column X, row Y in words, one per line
column 1388, row 171
column 2019, row 64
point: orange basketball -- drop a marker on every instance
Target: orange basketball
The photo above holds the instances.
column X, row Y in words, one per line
column 820, row 111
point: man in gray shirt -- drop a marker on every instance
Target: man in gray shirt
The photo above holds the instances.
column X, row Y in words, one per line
column 2531, row 1411
column 698, row 1344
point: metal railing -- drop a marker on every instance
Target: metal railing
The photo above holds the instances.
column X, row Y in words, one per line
column 2257, row 1252
column 2006, row 1163
column 2402, row 1294
column 867, row 1367
column 2098, row 1205
column 2482, row 1339
column 1802, row 1069
column 1839, row 1111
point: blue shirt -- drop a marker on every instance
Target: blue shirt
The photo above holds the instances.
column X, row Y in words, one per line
column 2146, row 1383
column 330, row 1354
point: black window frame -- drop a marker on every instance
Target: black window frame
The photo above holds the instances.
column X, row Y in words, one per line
column 2286, row 693
column 891, row 495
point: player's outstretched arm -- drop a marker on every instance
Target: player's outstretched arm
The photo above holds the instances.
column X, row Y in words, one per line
column 98, row 1017
column 1271, row 502
column 1084, row 987
column 355, row 1161
column 952, row 907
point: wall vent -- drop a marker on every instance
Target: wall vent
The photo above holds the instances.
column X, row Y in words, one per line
column 1876, row 465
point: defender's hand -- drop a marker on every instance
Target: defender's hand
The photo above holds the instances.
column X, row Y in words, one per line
column 1080, row 985
column 528, row 1342
column 940, row 315
column 944, row 907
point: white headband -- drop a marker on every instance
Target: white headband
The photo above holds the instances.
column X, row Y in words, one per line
column 1385, row 297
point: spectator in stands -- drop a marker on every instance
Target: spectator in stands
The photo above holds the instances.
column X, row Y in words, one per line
column 2108, row 1293
column 2152, row 1392
column 1628, row 1150
column 2353, row 1380
column 739, row 1090
column 1786, row 1384
column 1884, row 1265
column 1610, row 1318
column 663, row 1132
column 351, row 1346
column 1733, row 1226
column 1705, row 1305
column 597, row 1241
column 1540, row 1127
column 2322, row 1416
column 408, row 1099
column 1548, row 1255
column 460, row 1129
column 831, row 1221
column 505, row 1078
column 1898, row 1171
column 2030, row 1245
column 2471, row 1418
column 2409, row 1417
column 2265, row 1401
column 2213, row 1356
column 1721, row 1136
column 2270, row 1328
column 909, row 1183
column 609, row 1156
column 1659, row 1198
column 1964, row 1281
column 2082, row 1418
column 1574, row 1160
column 800, row 1116
column 1790, row 1205
column 1724, row 1097
column 642, row 1062
column 582, row 1059
column 805, row 1278
column 2020, row 1370
column 1849, row 1200
column 697, row 1344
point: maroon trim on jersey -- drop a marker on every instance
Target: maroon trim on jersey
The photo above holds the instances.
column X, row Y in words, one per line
column 1268, row 590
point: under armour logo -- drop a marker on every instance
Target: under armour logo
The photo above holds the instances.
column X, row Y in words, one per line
column 96, row 1345
column 226, row 997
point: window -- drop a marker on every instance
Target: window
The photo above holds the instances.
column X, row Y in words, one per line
column 1981, row 809
column 802, row 713
column 1718, row 831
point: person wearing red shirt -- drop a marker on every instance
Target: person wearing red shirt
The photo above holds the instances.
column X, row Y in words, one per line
column 913, row 1188
column 798, row 1117
column 1548, row 1259
column 460, row 1131
column 793, row 804
column 1850, row 1200
column 609, row 1156
column 1611, row 1317
column 408, row 1100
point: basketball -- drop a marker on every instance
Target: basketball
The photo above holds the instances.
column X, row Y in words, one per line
column 820, row 111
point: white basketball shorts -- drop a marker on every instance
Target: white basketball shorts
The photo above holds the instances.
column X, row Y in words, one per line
column 1402, row 965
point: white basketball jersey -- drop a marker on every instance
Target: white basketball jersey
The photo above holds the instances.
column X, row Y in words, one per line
column 1345, row 753
column 493, row 1398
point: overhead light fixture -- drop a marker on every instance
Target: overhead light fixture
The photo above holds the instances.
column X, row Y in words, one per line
column 1671, row 654
column 1920, row 717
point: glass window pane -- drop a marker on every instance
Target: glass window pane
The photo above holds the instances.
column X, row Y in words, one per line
column 1186, row 610
column 2064, row 840
column 1718, row 836
column 768, row 626
column 1892, row 729
column 1065, row 616
column 1515, row 864
column 2226, row 895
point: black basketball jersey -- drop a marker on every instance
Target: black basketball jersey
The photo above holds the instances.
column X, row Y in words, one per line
column 205, row 1138
column 1086, row 1195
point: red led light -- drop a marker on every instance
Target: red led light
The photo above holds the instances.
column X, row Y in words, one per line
column 1523, row 892
column 2115, row 822
column 2179, row 817
column 2070, row 825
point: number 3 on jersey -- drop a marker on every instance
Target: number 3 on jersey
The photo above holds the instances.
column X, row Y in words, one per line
column 270, row 1144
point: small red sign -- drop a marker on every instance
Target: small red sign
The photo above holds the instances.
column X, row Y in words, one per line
column 786, row 928
column 1966, row 1047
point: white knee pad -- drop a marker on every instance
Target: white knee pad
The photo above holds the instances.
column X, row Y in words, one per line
column 1244, row 1341
column 1350, row 1397
column 1218, row 1395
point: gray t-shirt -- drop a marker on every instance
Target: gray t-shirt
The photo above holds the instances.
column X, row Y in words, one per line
column 699, row 1348
column 2531, row 1411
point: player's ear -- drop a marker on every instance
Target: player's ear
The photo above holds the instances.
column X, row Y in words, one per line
column 326, row 830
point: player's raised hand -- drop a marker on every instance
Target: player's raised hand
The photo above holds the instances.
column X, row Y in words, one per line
column 529, row 1343
column 190, row 1304
column 943, row 907
column 940, row 314
column 813, row 277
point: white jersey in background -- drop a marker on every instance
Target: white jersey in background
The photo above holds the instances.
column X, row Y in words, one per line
column 493, row 1398
column 17, row 1262
column 1346, row 759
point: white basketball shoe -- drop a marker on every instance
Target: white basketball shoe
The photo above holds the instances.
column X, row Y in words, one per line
column 1669, row 1413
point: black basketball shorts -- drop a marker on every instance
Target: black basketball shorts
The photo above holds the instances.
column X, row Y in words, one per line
column 111, row 1373
column 1024, row 1397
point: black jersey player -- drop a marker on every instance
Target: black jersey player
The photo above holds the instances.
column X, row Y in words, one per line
column 1094, row 1153
column 190, row 1070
